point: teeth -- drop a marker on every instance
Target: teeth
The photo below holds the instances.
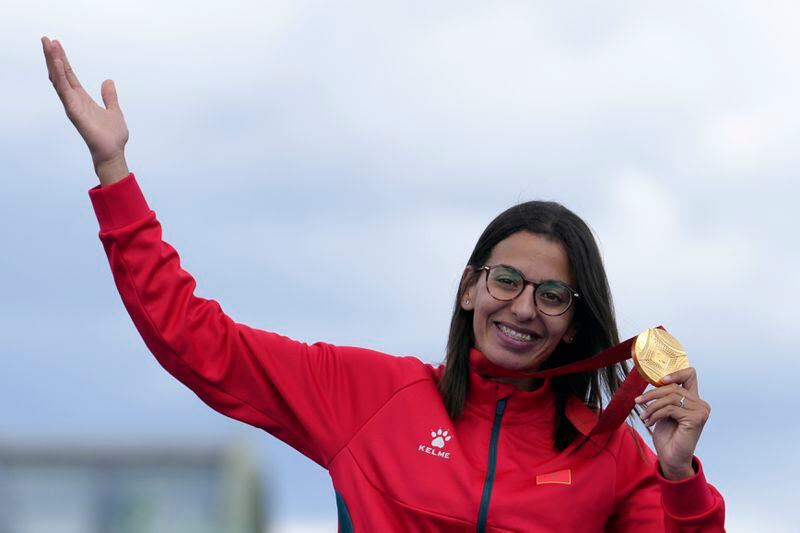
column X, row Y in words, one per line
column 514, row 334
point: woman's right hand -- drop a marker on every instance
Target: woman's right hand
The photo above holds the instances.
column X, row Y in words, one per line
column 103, row 130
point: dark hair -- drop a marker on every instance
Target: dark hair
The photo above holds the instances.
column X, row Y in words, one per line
column 594, row 313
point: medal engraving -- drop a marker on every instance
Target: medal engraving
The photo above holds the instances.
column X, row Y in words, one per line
column 656, row 354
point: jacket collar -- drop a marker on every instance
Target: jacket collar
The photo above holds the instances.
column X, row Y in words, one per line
column 530, row 407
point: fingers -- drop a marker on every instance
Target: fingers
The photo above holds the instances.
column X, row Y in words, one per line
column 675, row 398
column 71, row 76
column 673, row 401
column 689, row 418
column 55, row 68
column 686, row 377
column 47, row 48
column 109, row 93
column 60, row 79
column 669, row 411
column 53, row 53
column 667, row 391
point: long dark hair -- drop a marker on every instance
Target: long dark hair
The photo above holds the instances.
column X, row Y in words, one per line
column 594, row 313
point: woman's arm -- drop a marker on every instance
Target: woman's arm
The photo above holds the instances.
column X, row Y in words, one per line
column 671, row 488
column 313, row 397
column 645, row 500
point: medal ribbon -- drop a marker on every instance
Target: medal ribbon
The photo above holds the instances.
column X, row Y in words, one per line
column 621, row 403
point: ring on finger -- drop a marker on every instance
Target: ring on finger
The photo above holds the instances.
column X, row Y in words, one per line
column 683, row 398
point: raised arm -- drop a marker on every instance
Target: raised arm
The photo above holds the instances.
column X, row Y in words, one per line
column 103, row 129
column 313, row 397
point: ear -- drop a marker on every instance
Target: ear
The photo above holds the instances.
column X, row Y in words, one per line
column 468, row 289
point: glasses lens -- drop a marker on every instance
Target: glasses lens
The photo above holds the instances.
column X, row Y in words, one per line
column 553, row 298
column 504, row 283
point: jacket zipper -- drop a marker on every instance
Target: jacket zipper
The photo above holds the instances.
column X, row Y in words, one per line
column 487, row 485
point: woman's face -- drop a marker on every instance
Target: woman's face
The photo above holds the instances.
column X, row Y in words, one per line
column 514, row 334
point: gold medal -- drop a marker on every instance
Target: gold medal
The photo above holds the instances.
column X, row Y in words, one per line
column 656, row 354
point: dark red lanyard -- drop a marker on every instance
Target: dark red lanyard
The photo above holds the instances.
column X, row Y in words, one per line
column 621, row 403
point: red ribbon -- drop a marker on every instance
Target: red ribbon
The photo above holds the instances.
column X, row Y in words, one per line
column 621, row 403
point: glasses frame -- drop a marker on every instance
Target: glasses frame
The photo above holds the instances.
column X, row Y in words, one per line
column 574, row 295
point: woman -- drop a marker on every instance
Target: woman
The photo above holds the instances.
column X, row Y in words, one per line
column 409, row 446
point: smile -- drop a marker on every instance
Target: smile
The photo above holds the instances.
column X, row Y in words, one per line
column 513, row 334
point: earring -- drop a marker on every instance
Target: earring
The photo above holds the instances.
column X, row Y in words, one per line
column 466, row 301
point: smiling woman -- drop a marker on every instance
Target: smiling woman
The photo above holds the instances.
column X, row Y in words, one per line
column 515, row 332
column 411, row 446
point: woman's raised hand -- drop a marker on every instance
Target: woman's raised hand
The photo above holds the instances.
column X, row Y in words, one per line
column 103, row 130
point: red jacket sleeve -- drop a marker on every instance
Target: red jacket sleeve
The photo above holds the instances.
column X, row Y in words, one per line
column 313, row 397
column 644, row 497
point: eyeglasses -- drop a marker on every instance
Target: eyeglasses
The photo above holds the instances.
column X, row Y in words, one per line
column 505, row 283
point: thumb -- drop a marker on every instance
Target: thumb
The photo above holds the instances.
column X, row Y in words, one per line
column 109, row 93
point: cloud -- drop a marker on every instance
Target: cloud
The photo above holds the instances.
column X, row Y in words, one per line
column 324, row 171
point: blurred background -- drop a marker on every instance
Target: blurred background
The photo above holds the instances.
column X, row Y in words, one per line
column 324, row 170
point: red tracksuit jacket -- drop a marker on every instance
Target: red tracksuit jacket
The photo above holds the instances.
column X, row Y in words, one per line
column 377, row 422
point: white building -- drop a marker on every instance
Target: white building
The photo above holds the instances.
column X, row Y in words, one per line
column 141, row 489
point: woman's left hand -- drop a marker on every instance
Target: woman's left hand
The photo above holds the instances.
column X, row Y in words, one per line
column 679, row 415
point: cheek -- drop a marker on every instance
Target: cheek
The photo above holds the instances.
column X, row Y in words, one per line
column 486, row 306
column 481, row 315
column 557, row 327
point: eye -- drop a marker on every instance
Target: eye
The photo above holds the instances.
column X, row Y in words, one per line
column 506, row 280
column 505, row 277
column 553, row 294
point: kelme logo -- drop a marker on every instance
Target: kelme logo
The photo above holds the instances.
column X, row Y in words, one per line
column 439, row 440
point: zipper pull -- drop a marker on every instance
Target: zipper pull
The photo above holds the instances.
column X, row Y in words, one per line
column 501, row 406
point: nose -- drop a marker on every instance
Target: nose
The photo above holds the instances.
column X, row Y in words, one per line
column 523, row 307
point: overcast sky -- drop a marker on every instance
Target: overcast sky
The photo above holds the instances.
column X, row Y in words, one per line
column 324, row 170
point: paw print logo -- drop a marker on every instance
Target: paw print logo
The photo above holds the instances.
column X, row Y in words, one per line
column 439, row 438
